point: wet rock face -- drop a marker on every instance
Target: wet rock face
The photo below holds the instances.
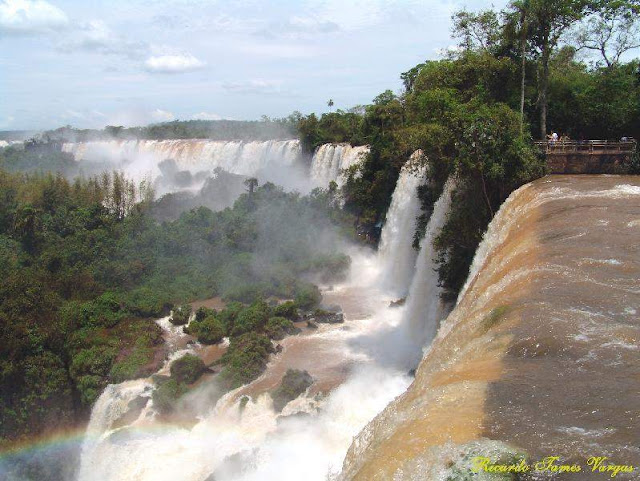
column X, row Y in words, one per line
column 235, row 465
column 293, row 384
column 134, row 408
column 398, row 303
column 325, row 317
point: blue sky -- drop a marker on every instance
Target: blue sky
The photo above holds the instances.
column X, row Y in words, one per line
column 93, row 63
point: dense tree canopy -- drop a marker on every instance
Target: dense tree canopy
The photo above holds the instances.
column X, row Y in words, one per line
column 474, row 114
column 84, row 266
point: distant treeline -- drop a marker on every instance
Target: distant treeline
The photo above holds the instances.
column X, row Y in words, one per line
column 264, row 129
column 10, row 135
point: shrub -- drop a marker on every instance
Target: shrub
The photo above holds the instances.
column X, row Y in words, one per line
column 203, row 312
column 245, row 359
column 167, row 394
column 252, row 318
column 187, row 369
column 105, row 311
column 308, row 297
column 208, row 331
column 96, row 360
column 180, row 315
column 288, row 309
column 245, row 293
column 132, row 366
column 228, row 315
column 89, row 388
column 278, row 327
column 146, row 302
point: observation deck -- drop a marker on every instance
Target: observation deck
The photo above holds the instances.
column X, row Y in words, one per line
column 588, row 156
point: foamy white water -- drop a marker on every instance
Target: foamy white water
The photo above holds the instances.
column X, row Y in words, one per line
column 331, row 160
column 424, row 306
column 140, row 158
column 272, row 446
column 278, row 161
column 398, row 257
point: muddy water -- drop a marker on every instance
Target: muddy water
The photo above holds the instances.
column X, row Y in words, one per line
column 540, row 356
column 325, row 352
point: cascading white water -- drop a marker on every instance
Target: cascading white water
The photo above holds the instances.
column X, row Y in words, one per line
column 276, row 447
column 114, row 403
column 424, row 307
column 331, row 160
column 141, row 157
column 278, row 161
column 397, row 255
column 271, row 445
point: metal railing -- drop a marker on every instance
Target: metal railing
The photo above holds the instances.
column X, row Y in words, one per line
column 588, row 146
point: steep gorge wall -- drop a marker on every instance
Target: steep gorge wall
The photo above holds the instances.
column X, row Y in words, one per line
column 540, row 355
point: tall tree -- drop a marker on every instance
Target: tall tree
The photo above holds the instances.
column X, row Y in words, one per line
column 613, row 30
column 477, row 31
column 550, row 20
column 523, row 6
column 251, row 184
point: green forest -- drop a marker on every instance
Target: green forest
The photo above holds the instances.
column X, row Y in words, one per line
column 85, row 267
column 86, row 264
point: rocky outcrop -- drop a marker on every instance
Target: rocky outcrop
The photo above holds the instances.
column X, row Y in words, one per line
column 325, row 317
column 293, row 384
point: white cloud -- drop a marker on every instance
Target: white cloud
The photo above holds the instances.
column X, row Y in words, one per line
column 96, row 36
column 206, row 116
column 173, row 63
column 257, row 86
column 24, row 17
column 299, row 28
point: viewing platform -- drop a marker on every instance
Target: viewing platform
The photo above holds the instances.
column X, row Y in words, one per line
column 588, row 156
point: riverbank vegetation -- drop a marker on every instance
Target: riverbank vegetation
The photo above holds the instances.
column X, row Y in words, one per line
column 516, row 75
column 85, row 267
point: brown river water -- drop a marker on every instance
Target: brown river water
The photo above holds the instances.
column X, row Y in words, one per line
column 541, row 355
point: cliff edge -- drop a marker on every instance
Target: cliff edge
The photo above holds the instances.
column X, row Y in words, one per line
column 540, row 357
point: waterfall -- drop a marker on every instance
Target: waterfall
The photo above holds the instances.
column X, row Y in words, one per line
column 330, row 160
column 244, row 158
column 278, row 161
column 117, row 402
column 140, row 158
column 396, row 251
column 424, row 307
